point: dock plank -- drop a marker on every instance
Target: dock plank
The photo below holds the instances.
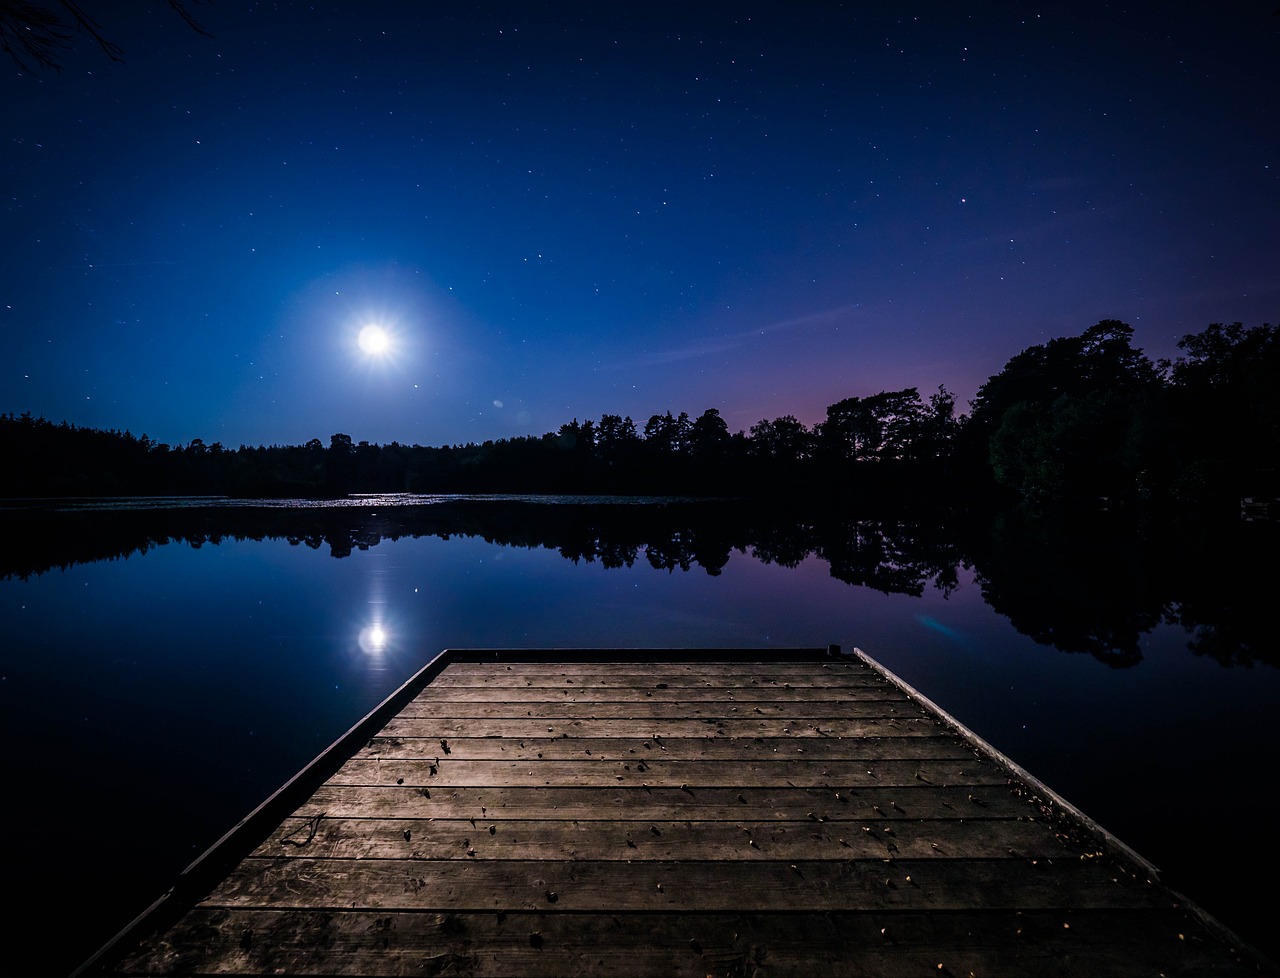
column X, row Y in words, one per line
column 650, row 680
column 656, row 692
column 941, row 746
column 705, row 804
column 648, row 709
column 660, row 772
column 682, row 886
column 540, row 945
column 533, row 726
column 658, row 839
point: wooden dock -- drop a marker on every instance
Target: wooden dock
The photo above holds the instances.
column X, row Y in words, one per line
column 658, row 812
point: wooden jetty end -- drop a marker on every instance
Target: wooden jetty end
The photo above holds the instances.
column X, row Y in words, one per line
column 658, row 812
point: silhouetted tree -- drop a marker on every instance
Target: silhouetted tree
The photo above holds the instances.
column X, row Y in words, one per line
column 33, row 33
column 615, row 435
column 783, row 440
column 1225, row 414
column 878, row 428
column 340, row 465
column 937, row 426
column 709, row 436
column 1071, row 419
column 665, row 435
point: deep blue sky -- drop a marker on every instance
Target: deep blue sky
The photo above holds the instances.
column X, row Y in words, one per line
column 566, row 209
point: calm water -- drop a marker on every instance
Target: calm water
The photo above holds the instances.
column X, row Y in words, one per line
column 162, row 672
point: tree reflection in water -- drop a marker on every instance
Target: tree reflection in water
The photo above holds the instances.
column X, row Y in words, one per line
column 1091, row 585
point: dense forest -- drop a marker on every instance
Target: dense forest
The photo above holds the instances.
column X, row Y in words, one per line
column 1084, row 420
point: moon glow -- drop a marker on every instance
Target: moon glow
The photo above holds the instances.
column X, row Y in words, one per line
column 374, row 340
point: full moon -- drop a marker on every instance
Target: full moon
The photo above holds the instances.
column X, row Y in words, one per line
column 374, row 340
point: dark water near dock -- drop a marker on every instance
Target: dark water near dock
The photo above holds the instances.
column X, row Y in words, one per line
column 163, row 670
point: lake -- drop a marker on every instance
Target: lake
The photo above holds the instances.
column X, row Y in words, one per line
column 165, row 665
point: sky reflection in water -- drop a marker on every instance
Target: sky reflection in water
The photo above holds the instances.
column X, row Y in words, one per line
column 156, row 699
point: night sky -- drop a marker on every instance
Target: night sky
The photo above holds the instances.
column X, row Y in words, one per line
column 558, row 210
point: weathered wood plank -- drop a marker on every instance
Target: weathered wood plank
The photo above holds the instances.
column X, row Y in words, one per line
column 659, row 772
column 498, row 838
column 649, row 710
column 657, row 666
column 647, row 680
column 671, row 887
column 542, row 945
column 946, row 746
column 758, row 727
column 658, row 694
column 730, row 804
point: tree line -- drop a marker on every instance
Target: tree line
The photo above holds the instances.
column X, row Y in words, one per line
column 898, row 433
column 1086, row 420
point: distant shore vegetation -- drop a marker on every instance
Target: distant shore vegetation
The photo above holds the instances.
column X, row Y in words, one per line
column 1085, row 420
